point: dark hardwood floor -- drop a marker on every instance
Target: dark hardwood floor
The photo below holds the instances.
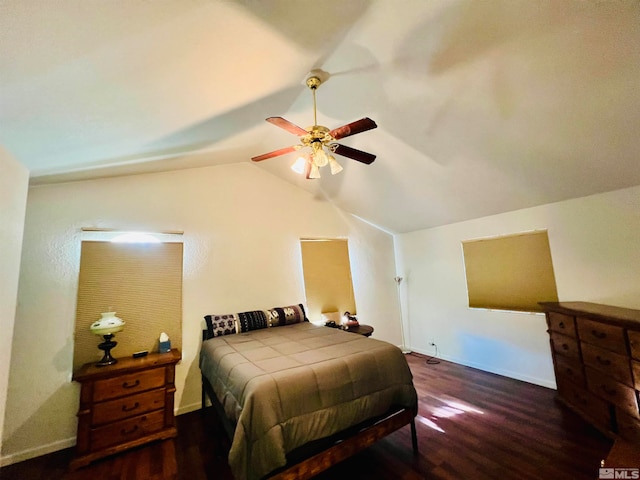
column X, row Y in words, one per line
column 471, row 425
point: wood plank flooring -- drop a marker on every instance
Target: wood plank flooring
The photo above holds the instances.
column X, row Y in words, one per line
column 471, row 425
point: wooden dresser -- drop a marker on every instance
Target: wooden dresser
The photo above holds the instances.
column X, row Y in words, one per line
column 125, row 405
column 596, row 358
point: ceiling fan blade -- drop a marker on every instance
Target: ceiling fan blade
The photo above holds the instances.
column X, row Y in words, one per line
column 353, row 153
column 287, row 125
column 275, row 153
column 352, row 128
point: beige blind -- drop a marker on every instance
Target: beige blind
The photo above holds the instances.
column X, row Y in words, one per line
column 512, row 272
column 142, row 283
column 327, row 277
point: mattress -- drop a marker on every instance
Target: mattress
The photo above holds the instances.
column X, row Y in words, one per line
column 283, row 387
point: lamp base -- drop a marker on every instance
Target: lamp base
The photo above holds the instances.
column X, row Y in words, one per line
column 106, row 346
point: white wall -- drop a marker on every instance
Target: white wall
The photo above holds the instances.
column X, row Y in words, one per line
column 242, row 231
column 14, row 182
column 595, row 248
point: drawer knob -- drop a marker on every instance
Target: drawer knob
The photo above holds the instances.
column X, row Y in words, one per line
column 561, row 325
column 128, row 409
column 597, row 334
column 603, row 361
column 565, row 346
column 131, row 385
column 130, row 431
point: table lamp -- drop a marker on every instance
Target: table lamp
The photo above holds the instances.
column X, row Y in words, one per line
column 107, row 326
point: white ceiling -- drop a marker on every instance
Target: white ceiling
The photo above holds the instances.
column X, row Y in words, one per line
column 482, row 106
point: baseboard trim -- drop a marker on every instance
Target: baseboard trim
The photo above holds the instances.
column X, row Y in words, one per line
column 542, row 382
column 37, row 451
column 188, row 408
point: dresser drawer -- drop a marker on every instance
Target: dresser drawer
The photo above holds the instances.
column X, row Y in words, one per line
column 559, row 322
column 603, row 335
column 564, row 345
column 128, row 384
column 125, row 407
column 613, row 364
column 628, row 426
column 607, row 388
column 634, row 343
column 635, row 368
column 127, row 430
column 569, row 369
column 596, row 409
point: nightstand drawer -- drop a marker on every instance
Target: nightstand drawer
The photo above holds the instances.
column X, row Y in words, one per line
column 569, row 369
column 564, row 345
column 128, row 384
column 126, row 430
column 565, row 324
column 612, row 391
column 603, row 335
column 125, row 407
column 617, row 366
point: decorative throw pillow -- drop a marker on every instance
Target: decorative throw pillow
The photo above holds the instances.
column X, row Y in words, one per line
column 218, row 325
column 291, row 314
column 273, row 318
column 253, row 320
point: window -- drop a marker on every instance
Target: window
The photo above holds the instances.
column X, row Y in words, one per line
column 327, row 277
column 512, row 272
column 141, row 282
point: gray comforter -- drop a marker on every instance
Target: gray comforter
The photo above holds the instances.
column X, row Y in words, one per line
column 285, row 386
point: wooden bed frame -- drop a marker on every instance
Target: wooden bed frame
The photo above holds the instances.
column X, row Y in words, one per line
column 315, row 457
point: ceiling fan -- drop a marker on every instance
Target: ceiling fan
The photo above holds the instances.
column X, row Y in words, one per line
column 321, row 141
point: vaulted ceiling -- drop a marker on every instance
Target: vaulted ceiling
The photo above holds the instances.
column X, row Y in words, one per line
column 482, row 106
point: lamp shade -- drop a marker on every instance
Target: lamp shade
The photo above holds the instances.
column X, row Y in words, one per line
column 108, row 324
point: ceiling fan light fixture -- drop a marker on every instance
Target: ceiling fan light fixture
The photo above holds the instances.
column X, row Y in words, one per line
column 320, row 156
column 334, row 165
column 315, row 171
column 299, row 165
column 317, row 138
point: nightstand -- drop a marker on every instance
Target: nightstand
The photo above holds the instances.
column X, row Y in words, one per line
column 125, row 405
column 365, row 330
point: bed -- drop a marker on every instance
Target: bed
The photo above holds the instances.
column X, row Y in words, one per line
column 300, row 397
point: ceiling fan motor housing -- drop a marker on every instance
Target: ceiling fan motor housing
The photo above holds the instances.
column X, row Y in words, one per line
column 313, row 82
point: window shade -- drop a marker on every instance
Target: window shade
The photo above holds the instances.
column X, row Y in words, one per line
column 512, row 272
column 142, row 283
column 327, row 277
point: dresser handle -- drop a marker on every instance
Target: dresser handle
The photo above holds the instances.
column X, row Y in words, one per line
column 565, row 346
column 128, row 432
column 128, row 409
column 597, row 334
column 604, row 362
column 131, row 385
column 561, row 324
